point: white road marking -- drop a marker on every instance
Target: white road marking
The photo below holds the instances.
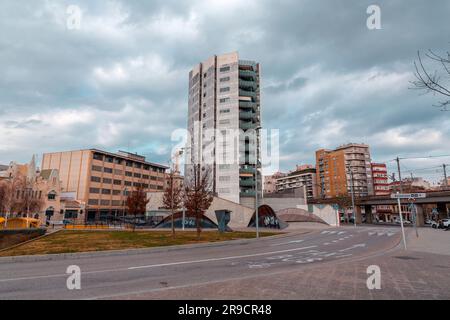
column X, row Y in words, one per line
column 280, row 244
column 218, row 259
column 361, row 245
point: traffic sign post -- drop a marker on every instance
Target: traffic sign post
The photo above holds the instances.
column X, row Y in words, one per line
column 409, row 196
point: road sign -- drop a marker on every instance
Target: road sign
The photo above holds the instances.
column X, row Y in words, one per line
column 408, row 195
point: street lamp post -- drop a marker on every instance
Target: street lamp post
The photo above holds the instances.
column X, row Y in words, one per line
column 256, row 182
column 353, row 195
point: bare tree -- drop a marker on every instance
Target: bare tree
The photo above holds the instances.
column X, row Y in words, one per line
column 435, row 81
column 137, row 201
column 198, row 193
column 25, row 198
column 344, row 202
column 172, row 198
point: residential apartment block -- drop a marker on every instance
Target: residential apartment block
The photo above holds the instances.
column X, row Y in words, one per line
column 380, row 179
column 101, row 180
column 224, row 114
column 303, row 176
column 334, row 168
column 270, row 182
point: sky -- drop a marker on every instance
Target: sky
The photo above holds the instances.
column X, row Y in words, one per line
column 120, row 80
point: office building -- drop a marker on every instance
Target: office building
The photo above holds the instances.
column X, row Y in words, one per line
column 101, row 181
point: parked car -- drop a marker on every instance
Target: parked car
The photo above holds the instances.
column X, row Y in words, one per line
column 429, row 221
column 445, row 223
column 404, row 221
column 441, row 224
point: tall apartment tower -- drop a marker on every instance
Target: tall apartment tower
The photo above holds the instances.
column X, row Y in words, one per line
column 334, row 168
column 223, row 118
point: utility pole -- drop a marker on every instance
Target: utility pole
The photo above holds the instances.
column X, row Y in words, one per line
column 353, row 194
column 399, row 174
column 444, row 166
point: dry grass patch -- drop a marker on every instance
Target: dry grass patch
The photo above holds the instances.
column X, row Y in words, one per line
column 89, row 241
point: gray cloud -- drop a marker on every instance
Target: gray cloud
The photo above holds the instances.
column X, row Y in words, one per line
column 121, row 81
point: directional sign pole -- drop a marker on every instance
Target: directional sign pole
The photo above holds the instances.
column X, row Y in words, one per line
column 401, row 220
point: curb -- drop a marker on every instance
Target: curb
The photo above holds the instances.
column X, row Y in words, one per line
column 127, row 252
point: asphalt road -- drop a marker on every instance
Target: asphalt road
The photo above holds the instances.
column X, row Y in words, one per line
column 159, row 272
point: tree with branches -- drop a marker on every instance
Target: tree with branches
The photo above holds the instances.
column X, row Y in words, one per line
column 25, row 198
column 172, row 198
column 198, row 193
column 137, row 202
column 435, row 79
column 344, row 202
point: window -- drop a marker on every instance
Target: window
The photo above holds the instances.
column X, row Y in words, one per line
column 104, row 202
column 118, row 172
column 225, row 111
column 128, row 173
column 129, row 164
column 224, row 100
column 98, row 156
column 116, row 203
column 136, row 184
column 109, row 159
column 51, row 195
column 94, row 190
column 118, row 161
column 107, row 180
column 97, row 168
column 225, row 69
column 128, row 183
column 106, row 191
column 226, row 89
column 137, row 175
column 226, row 121
column 118, row 182
column 93, row 202
column 96, row 179
column 108, row 170
column 145, row 176
column 116, row 192
column 225, row 79
column 138, row 165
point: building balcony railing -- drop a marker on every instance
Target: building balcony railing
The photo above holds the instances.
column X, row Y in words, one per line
column 248, row 63
column 247, row 75
column 246, row 125
column 247, row 105
column 248, row 85
column 247, row 182
column 245, row 93
column 247, row 170
column 250, row 193
column 246, row 115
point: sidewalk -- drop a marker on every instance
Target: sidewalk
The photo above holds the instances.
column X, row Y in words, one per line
column 430, row 240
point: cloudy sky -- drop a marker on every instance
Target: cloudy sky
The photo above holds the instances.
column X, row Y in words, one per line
column 120, row 81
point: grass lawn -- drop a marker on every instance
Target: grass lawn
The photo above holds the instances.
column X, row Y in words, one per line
column 88, row 241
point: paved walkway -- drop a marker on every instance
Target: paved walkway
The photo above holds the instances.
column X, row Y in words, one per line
column 429, row 240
